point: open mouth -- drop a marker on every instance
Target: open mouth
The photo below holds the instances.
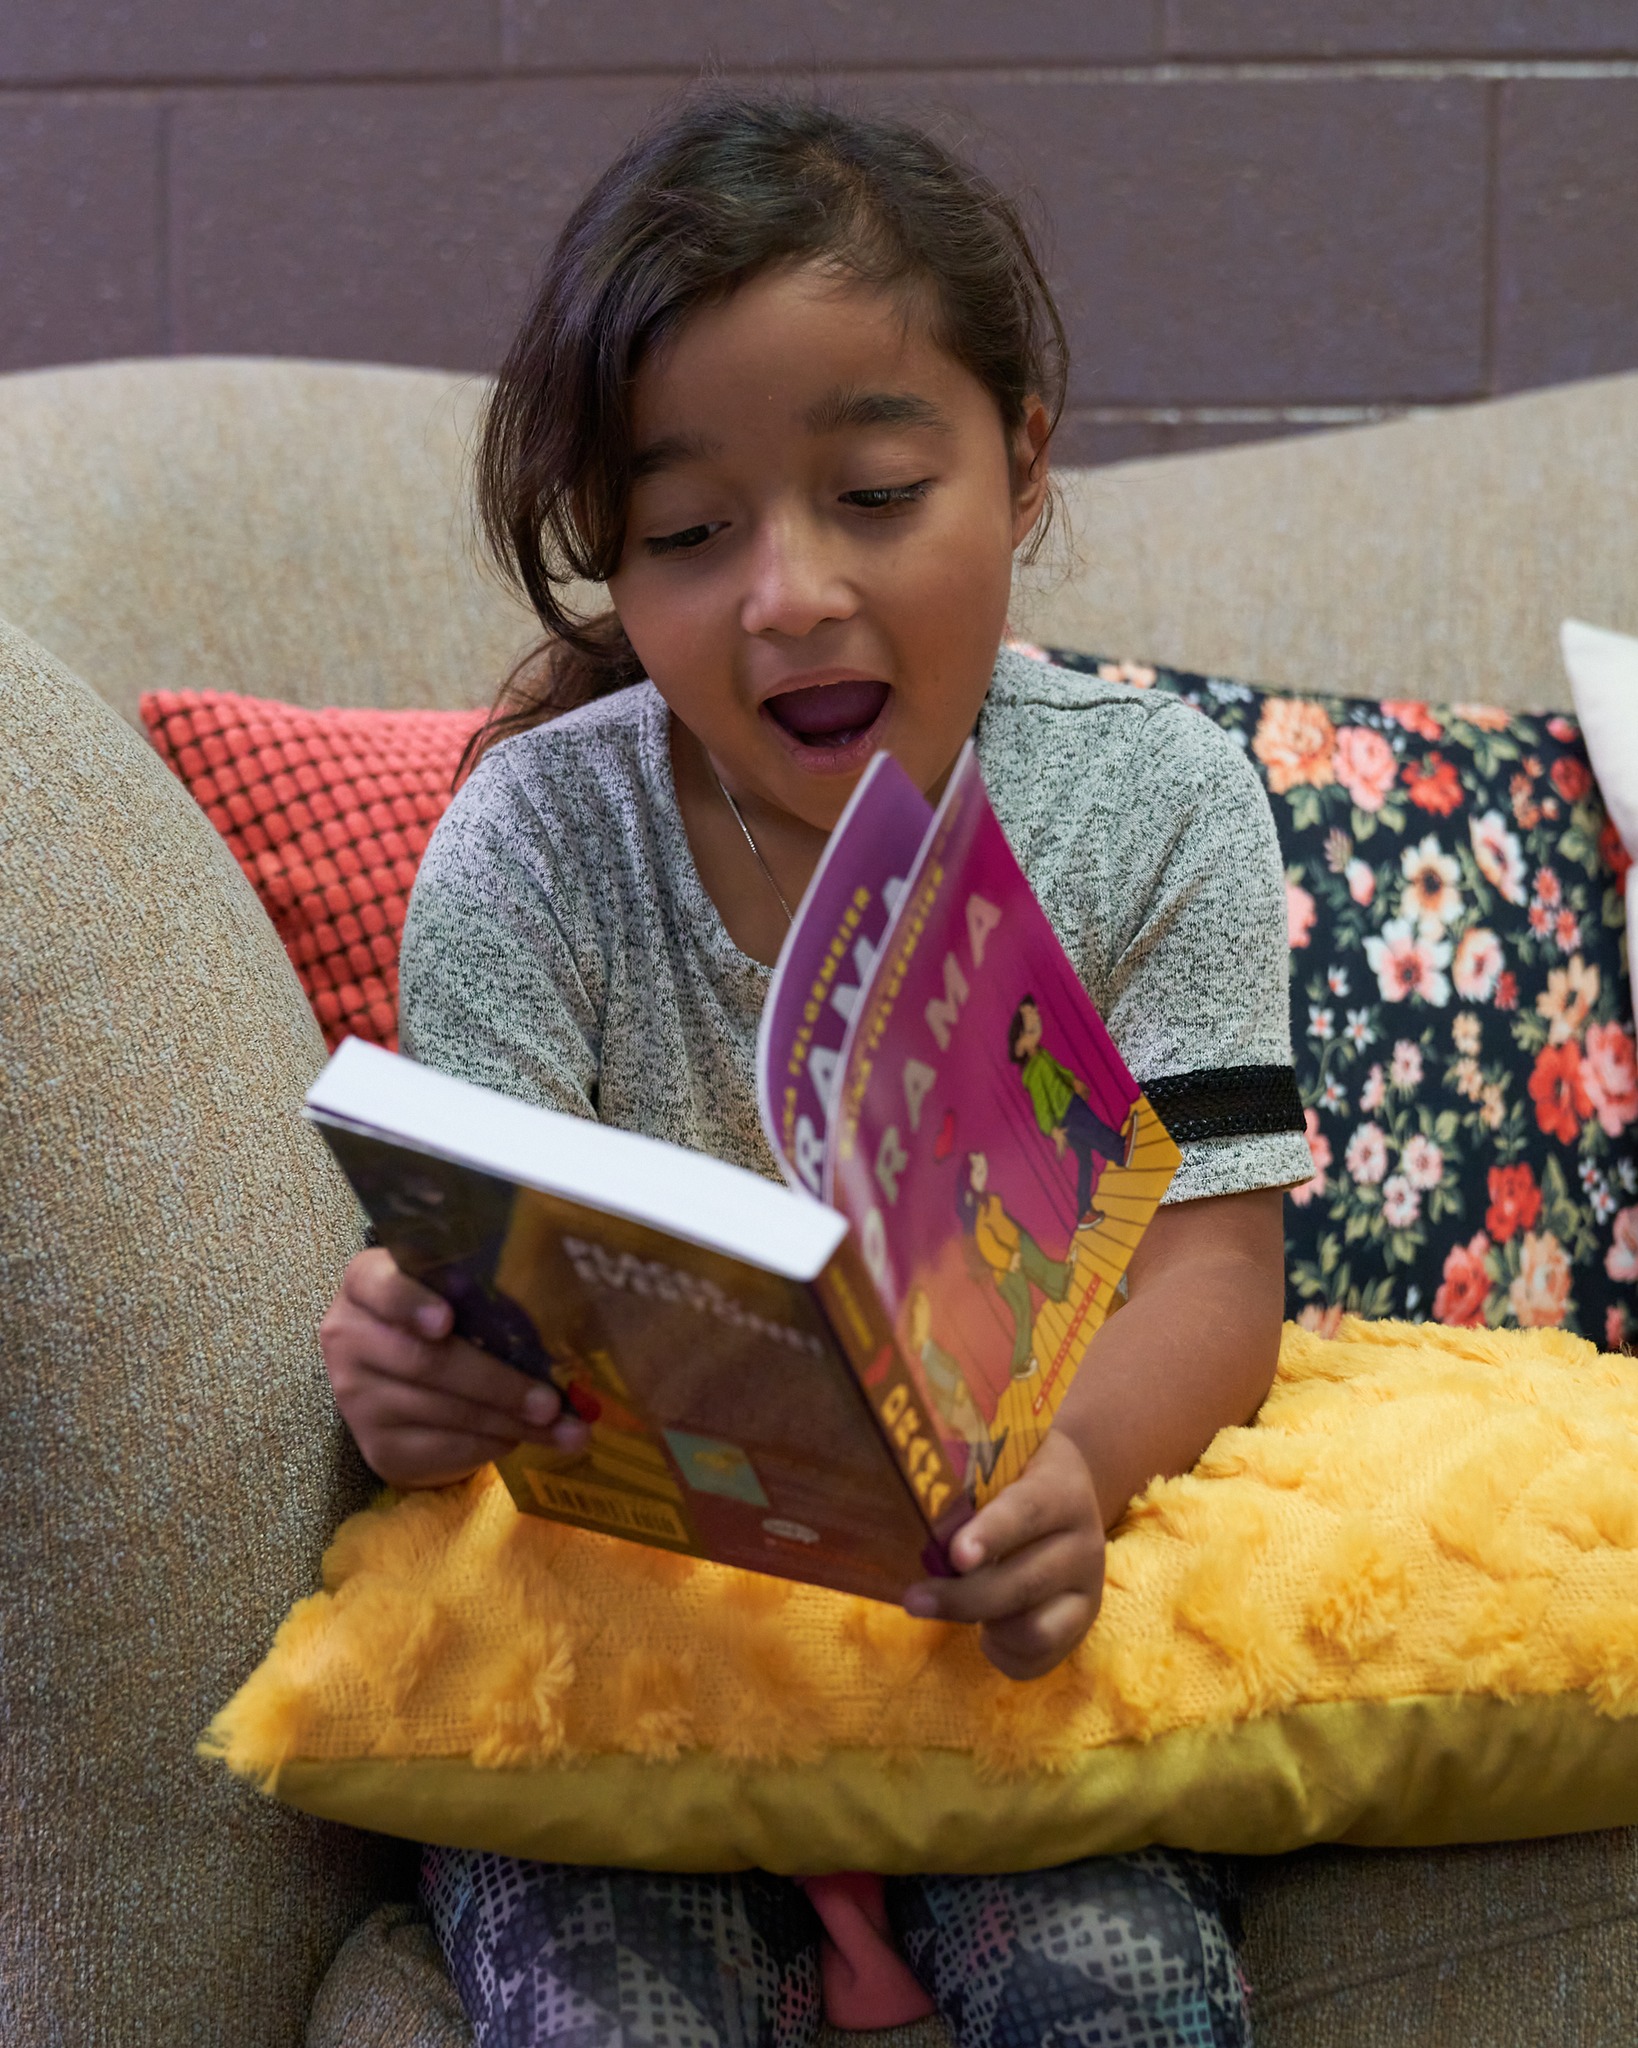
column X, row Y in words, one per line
column 829, row 717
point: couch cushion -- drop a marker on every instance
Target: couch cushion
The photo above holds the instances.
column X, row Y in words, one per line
column 328, row 813
column 1515, row 1942
column 388, row 1988
column 1459, row 1010
column 170, row 1461
column 285, row 529
column 1428, row 557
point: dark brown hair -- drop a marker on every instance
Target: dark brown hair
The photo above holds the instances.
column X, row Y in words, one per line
column 718, row 191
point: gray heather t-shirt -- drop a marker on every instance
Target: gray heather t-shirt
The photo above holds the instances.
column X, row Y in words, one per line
column 561, row 947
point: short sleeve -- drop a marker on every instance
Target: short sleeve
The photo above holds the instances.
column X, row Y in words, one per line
column 1197, row 992
column 500, row 971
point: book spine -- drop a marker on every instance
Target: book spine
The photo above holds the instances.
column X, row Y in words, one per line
column 856, row 1315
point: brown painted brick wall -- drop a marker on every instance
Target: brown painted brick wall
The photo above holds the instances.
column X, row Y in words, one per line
column 1264, row 215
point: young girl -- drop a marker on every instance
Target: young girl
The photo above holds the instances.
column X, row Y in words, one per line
column 788, row 388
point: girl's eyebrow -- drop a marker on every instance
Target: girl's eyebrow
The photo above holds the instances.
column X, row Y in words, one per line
column 848, row 407
column 669, row 451
column 841, row 409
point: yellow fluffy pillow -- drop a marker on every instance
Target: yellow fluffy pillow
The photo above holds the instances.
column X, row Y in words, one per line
column 1401, row 1608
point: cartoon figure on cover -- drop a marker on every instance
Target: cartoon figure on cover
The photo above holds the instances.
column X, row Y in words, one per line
column 1064, row 1111
column 1014, row 1259
column 1005, row 1255
column 950, row 1393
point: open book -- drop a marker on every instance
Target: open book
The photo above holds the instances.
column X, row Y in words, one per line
column 821, row 1381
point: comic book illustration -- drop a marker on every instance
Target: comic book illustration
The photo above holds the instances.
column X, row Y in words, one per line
column 827, row 959
column 724, row 1417
column 991, row 1149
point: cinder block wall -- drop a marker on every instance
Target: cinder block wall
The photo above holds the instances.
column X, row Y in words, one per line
column 1266, row 215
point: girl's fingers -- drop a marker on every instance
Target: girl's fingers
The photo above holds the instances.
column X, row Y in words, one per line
column 397, row 1405
column 1053, row 1492
column 1030, row 1645
column 432, row 1457
column 1020, row 1514
column 1068, row 1561
column 384, row 1350
column 373, row 1283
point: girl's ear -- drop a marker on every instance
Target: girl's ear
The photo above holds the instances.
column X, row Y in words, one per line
column 1031, row 464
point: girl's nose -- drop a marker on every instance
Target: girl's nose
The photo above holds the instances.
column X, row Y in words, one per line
column 796, row 581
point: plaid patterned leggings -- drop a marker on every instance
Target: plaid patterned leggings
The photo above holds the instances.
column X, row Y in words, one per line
column 1116, row 1952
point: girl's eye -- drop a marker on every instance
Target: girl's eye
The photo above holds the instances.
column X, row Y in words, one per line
column 886, row 496
column 680, row 542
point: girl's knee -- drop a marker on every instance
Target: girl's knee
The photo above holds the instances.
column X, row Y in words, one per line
column 1139, row 1943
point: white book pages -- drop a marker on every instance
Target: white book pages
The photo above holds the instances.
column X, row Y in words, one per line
column 690, row 1196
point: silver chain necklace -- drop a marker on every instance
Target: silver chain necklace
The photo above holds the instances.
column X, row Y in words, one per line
column 756, row 851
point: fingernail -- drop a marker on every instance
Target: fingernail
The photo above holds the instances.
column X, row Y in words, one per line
column 540, row 1406
column 571, row 1434
column 432, row 1320
column 921, row 1603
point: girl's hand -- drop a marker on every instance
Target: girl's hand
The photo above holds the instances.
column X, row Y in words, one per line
column 1031, row 1565
column 426, row 1407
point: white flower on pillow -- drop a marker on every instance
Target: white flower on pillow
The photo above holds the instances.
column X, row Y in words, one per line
column 1406, row 963
column 1431, row 897
column 1496, row 849
column 1478, row 964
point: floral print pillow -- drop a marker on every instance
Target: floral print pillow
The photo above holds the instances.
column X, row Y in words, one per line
column 1459, row 1009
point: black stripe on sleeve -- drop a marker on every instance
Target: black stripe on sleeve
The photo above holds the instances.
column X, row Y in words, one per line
column 1227, row 1102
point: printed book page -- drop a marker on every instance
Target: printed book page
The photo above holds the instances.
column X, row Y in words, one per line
column 990, row 1147
column 827, row 960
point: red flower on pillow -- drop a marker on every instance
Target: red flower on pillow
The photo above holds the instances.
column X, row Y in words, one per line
column 1572, row 778
column 1611, row 1074
column 1466, row 1288
column 1434, row 786
column 1416, row 718
column 1515, row 1202
column 1365, row 766
column 1621, row 1260
column 1558, row 1088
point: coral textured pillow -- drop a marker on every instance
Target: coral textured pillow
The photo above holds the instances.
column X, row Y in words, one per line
column 1460, row 1010
column 328, row 813
column 1402, row 1608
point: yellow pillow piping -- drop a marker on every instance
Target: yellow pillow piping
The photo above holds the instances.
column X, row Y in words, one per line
column 1345, row 1772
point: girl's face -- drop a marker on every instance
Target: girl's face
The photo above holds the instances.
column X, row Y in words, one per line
column 818, row 555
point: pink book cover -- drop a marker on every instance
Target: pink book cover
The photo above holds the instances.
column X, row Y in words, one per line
column 827, row 962
column 990, row 1148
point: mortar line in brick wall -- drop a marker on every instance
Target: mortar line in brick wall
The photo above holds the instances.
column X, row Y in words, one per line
column 1170, row 71
column 1242, row 415
column 1263, row 71
column 163, row 260
column 1492, row 210
column 1367, row 413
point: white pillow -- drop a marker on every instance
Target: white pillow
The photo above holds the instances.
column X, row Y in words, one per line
column 1603, row 671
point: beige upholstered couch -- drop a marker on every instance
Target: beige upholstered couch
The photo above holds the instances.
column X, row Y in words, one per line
column 169, row 1463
